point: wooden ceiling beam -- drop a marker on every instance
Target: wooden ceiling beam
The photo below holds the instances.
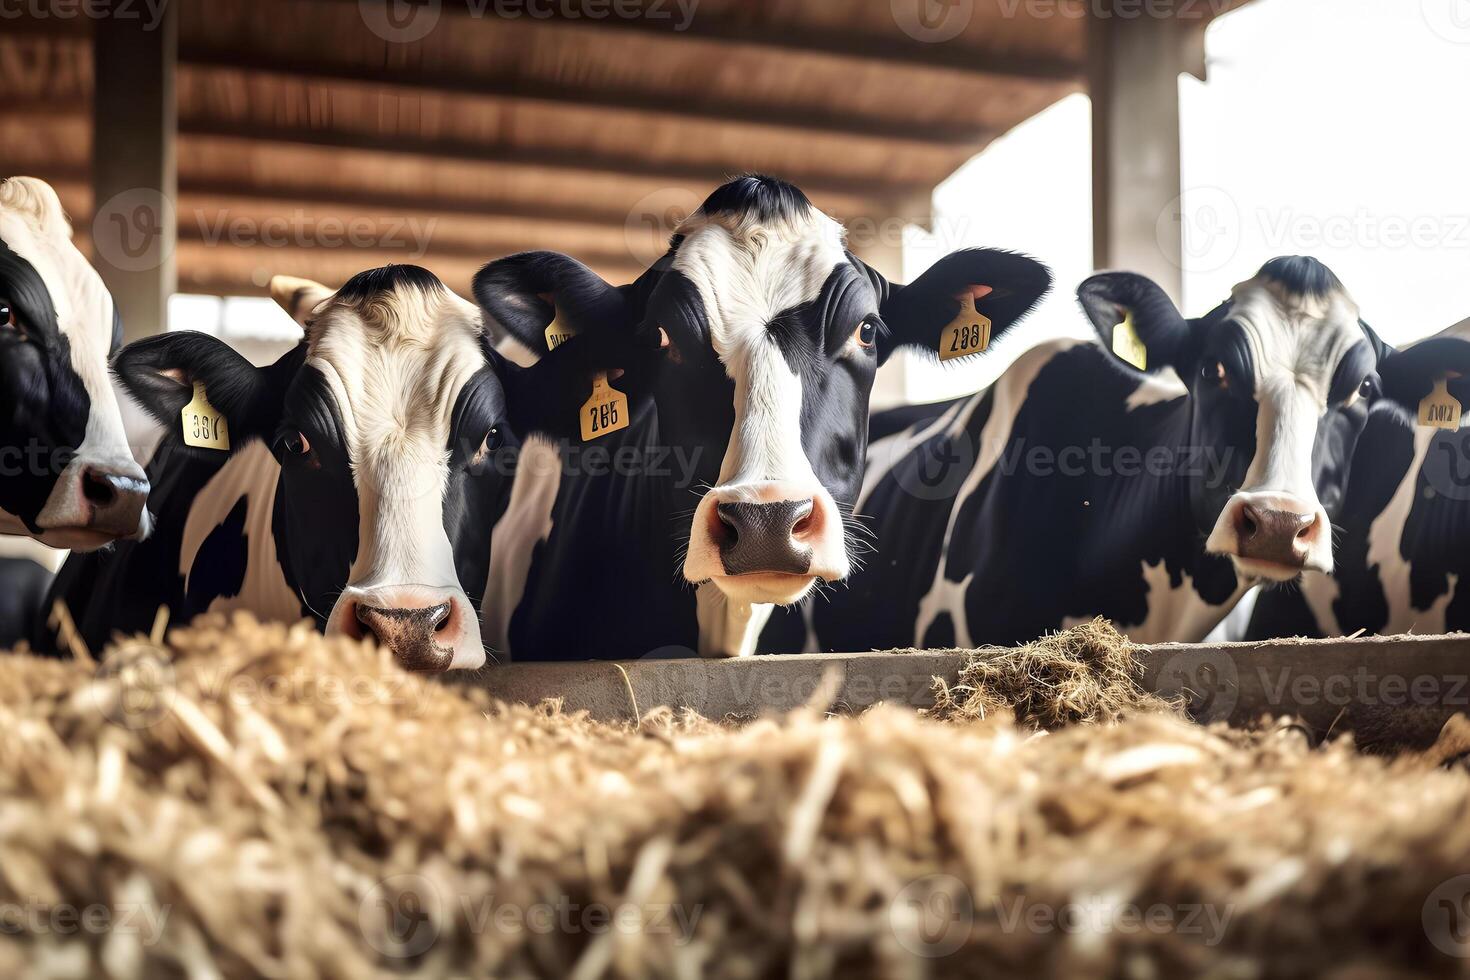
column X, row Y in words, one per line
column 674, row 108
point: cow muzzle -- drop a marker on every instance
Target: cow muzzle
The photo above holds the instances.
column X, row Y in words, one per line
column 94, row 504
column 428, row 630
column 767, row 543
column 1273, row 536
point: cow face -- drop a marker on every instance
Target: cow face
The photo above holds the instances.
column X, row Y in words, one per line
column 1281, row 377
column 379, row 422
column 67, row 477
column 768, row 333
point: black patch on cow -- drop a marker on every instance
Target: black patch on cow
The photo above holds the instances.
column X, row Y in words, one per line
column 940, row 633
column 768, row 199
column 1302, row 275
column 389, row 278
column 219, row 568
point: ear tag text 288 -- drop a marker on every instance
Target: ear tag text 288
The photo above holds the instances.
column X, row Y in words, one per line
column 968, row 333
column 558, row 333
column 1440, row 409
column 1128, row 345
column 204, row 425
column 605, row 412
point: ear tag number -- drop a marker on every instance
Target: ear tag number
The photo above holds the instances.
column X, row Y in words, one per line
column 968, row 333
column 605, row 412
column 1440, row 409
column 558, row 333
column 1128, row 345
column 204, row 425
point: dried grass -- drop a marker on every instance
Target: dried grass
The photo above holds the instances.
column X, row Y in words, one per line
column 280, row 796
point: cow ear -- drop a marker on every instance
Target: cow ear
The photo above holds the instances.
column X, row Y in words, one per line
column 524, row 293
column 1005, row 286
column 546, row 398
column 1160, row 335
column 1409, row 376
column 160, row 373
column 298, row 297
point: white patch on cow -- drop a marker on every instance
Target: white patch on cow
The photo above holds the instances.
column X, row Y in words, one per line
column 1174, row 614
column 1156, row 389
column 526, row 521
column 747, row 273
column 34, row 226
column 1296, row 343
column 728, row 627
column 251, row 475
column 1009, row 393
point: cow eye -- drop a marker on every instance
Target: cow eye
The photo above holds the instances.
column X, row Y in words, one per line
column 8, row 321
column 297, row 444
column 1216, row 372
column 865, row 333
column 1366, row 389
column 493, row 441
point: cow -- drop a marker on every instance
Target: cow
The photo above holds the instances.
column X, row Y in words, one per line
column 341, row 473
column 67, row 478
column 728, row 492
column 1403, row 548
column 1151, row 479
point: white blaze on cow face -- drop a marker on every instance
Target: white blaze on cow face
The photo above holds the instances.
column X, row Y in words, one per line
column 94, row 491
column 747, row 274
column 1274, row 526
column 394, row 364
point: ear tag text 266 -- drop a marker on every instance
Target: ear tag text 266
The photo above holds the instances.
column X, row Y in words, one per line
column 605, row 412
column 1440, row 409
column 558, row 333
column 1128, row 345
column 204, row 425
column 967, row 333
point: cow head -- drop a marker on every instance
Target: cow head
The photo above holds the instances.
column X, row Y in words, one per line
column 67, row 477
column 1280, row 378
column 766, row 334
column 382, row 420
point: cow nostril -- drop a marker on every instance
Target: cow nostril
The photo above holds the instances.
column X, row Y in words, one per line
column 1309, row 525
column 804, row 521
column 729, row 515
column 99, row 490
column 1248, row 522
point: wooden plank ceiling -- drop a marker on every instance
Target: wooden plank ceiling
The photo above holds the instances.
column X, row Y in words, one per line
column 491, row 135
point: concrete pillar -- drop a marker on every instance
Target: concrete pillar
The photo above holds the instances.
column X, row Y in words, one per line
column 134, row 170
column 1134, row 63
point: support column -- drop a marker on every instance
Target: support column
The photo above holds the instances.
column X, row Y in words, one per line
column 134, row 170
column 1134, row 63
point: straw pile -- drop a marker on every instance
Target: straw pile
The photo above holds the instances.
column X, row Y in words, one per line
column 264, row 801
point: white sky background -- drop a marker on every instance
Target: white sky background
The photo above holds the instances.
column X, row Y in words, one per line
column 1335, row 128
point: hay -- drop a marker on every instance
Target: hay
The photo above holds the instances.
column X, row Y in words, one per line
column 281, row 804
column 1085, row 674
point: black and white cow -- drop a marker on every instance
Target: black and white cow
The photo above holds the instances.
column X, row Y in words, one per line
column 1403, row 541
column 1080, row 486
column 67, row 477
column 352, row 461
column 729, row 492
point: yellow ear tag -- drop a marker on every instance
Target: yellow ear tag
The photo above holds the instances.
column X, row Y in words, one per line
column 1128, row 345
column 605, row 412
column 204, row 425
column 558, row 333
column 1440, row 409
column 967, row 333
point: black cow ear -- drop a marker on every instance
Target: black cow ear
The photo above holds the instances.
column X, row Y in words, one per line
column 161, row 372
column 546, row 398
column 524, row 293
column 1006, row 287
column 1409, row 376
column 1136, row 320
